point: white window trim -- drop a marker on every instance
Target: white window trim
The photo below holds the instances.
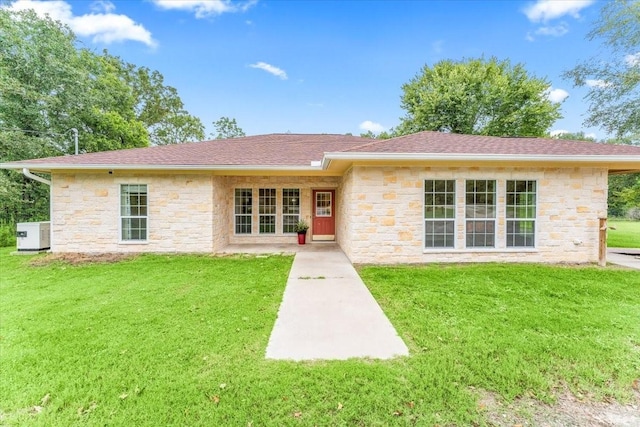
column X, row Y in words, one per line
column 275, row 214
column 455, row 218
column 315, row 201
column 495, row 218
column 235, row 216
column 500, row 244
column 133, row 242
column 282, row 214
column 535, row 219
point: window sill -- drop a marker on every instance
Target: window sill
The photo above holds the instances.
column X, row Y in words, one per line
column 479, row 250
column 133, row 242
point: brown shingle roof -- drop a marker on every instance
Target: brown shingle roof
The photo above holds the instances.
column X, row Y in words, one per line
column 299, row 150
column 449, row 143
column 259, row 150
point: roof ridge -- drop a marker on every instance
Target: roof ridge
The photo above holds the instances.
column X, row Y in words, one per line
column 381, row 141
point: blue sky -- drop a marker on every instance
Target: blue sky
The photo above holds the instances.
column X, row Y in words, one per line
column 328, row 66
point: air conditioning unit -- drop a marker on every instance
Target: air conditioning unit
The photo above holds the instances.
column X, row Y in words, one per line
column 34, row 236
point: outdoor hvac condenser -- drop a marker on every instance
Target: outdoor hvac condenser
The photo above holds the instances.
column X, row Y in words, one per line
column 34, row 236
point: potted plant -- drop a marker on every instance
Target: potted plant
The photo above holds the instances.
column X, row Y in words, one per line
column 301, row 229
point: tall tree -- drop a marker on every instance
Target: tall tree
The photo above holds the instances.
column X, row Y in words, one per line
column 48, row 85
column 381, row 135
column 575, row 136
column 158, row 106
column 613, row 77
column 227, row 128
column 478, row 96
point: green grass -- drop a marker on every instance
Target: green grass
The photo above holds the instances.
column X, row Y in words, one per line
column 626, row 234
column 180, row 340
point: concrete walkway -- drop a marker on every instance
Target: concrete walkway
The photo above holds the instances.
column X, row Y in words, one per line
column 327, row 313
column 626, row 257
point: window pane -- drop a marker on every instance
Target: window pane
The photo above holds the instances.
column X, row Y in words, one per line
column 439, row 213
column 133, row 212
column 243, row 209
column 267, row 224
column 323, row 204
column 480, row 211
column 521, row 213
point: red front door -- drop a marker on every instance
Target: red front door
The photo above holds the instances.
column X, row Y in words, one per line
column 324, row 215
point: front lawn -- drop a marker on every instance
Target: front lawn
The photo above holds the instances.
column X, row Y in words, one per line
column 626, row 234
column 180, row 340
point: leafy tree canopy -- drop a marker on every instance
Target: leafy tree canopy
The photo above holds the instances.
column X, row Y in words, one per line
column 48, row 85
column 613, row 77
column 227, row 128
column 477, row 96
column 574, row 136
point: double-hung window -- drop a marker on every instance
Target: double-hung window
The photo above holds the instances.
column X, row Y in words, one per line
column 243, row 210
column 521, row 213
column 480, row 213
column 290, row 209
column 267, row 210
column 133, row 212
column 439, row 213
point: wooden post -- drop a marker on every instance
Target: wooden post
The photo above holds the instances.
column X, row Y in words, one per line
column 602, row 243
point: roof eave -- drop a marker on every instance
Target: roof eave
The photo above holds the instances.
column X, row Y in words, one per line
column 477, row 157
column 48, row 167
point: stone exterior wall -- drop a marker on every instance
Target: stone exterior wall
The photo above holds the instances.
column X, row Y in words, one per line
column 305, row 184
column 220, row 213
column 346, row 194
column 379, row 213
column 387, row 223
column 86, row 213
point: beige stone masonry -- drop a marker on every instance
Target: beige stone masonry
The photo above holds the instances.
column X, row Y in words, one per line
column 379, row 212
column 86, row 213
column 304, row 184
column 386, row 224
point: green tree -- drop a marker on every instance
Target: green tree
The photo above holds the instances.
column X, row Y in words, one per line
column 381, row 135
column 613, row 77
column 158, row 106
column 227, row 128
column 631, row 194
column 575, row 136
column 477, row 96
column 49, row 85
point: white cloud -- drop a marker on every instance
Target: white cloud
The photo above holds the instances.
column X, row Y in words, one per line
column 374, row 127
column 102, row 6
column 278, row 72
column 554, row 30
column 597, row 83
column 632, row 60
column 206, row 8
column 557, row 95
column 529, row 37
column 547, row 10
column 103, row 26
column 591, row 135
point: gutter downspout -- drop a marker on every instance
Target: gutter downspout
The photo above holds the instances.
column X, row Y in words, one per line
column 26, row 172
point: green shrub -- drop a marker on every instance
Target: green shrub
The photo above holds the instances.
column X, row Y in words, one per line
column 7, row 235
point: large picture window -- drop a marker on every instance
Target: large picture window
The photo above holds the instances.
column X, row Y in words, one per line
column 439, row 213
column 480, row 212
column 243, row 210
column 133, row 212
column 521, row 213
column 267, row 210
column 290, row 209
